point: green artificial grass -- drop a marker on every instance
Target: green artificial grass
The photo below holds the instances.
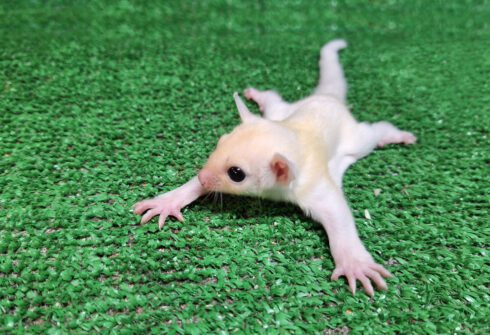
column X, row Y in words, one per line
column 105, row 103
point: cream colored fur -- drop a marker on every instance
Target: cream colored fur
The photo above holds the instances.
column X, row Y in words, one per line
column 298, row 152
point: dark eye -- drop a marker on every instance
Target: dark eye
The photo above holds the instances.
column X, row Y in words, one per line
column 236, row 174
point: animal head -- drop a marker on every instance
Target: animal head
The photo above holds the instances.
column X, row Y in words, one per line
column 252, row 159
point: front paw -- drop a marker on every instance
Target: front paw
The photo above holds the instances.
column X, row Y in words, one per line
column 163, row 206
column 365, row 271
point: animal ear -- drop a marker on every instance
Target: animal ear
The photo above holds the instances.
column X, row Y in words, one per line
column 282, row 168
column 245, row 114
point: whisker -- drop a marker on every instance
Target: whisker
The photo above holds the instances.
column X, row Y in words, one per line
column 207, row 196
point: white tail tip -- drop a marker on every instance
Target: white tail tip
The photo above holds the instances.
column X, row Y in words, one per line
column 335, row 45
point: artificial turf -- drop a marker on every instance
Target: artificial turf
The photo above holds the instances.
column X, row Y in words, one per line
column 104, row 103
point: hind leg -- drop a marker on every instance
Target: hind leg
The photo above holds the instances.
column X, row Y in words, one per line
column 386, row 133
column 369, row 136
column 270, row 103
column 361, row 140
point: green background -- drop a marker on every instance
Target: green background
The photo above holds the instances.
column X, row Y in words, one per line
column 105, row 103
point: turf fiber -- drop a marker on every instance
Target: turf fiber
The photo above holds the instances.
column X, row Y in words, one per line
column 104, row 103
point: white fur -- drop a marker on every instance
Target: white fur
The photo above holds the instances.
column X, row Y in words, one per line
column 317, row 139
column 332, row 81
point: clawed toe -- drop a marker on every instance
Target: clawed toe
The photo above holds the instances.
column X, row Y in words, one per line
column 255, row 95
column 408, row 138
column 148, row 216
column 365, row 273
column 157, row 207
column 249, row 93
column 140, row 207
column 403, row 138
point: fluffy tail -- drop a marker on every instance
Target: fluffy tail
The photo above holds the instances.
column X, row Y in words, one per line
column 332, row 80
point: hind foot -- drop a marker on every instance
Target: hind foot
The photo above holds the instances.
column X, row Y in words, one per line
column 263, row 99
column 401, row 137
column 389, row 134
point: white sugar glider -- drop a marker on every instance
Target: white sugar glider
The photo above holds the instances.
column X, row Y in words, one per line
column 297, row 152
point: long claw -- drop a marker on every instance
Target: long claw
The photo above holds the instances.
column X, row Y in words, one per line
column 161, row 221
column 366, row 283
column 385, row 273
column 147, row 217
column 368, row 273
column 178, row 215
column 378, row 280
column 141, row 207
column 336, row 274
column 352, row 283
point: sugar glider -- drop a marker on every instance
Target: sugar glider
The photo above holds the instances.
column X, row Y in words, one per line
column 296, row 152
